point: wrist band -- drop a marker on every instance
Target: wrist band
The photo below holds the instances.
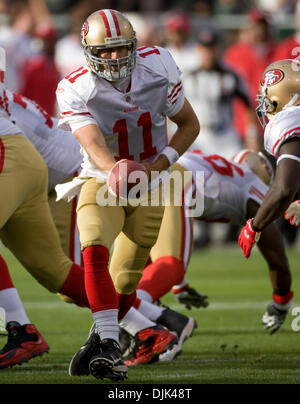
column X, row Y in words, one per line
column 171, row 154
column 254, row 228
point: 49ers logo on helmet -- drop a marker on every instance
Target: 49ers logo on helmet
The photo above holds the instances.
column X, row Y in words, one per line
column 272, row 77
column 84, row 29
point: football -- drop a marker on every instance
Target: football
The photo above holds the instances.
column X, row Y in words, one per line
column 127, row 179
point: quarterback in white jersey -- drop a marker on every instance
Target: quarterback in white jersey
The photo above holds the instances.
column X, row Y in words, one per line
column 278, row 102
column 116, row 107
column 133, row 121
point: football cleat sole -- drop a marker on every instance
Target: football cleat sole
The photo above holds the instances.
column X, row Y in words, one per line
column 103, row 368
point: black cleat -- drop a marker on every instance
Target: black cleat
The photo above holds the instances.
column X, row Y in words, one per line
column 182, row 325
column 79, row 365
column 191, row 298
column 108, row 364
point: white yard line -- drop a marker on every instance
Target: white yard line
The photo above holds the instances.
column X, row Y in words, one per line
column 217, row 306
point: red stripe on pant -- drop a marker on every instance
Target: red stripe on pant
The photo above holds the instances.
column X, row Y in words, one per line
column 5, row 279
column 2, row 155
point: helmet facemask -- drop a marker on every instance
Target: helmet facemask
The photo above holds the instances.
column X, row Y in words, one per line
column 112, row 70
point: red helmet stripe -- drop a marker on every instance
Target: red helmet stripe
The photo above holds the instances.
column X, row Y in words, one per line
column 106, row 23
column 116, row 22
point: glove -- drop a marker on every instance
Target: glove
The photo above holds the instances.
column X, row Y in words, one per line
column 276, row 312
column 293, row 213
column 248, row 237
column 191, row 298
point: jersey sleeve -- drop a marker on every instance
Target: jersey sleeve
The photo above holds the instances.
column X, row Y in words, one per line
column 73, row 107
column 175, row 98
column 285, row 125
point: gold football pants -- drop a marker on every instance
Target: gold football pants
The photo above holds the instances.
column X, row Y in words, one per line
column 132, row 230
column 26, row 225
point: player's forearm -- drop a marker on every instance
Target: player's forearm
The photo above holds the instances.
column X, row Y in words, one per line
column 275, row 203
column 272, row 248
column 93, row 142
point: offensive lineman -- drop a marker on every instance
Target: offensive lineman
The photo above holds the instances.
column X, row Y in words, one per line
column 116, row 107
column 233, row 191
column 278, row 111
column 25, row 215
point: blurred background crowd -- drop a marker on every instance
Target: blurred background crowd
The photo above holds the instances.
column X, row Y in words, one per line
column 221, row 46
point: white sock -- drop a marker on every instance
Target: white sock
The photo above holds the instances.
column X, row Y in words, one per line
column 149, row 310
column 142, row 294
column 107, row 324
column 13, row 306
column 134, row 322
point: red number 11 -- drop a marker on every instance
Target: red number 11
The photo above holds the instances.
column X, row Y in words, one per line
column 120, row 127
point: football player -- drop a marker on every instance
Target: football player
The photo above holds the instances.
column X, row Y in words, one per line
column 278, row 111
column 233, row 191
column 116, row 106
column 61, row 152
column 24, row 217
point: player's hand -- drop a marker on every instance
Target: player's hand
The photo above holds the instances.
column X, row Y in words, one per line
column 274, row 316
column 248, row 237
column 293, row 213
column 191, row 298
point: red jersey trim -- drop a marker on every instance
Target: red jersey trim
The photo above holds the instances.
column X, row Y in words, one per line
column 2, row 155
column 283, row 137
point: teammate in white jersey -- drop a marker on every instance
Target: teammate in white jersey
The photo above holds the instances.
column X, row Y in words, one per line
column 279, row 104
column 24, row 217
column 233, row 191
column 116, row 106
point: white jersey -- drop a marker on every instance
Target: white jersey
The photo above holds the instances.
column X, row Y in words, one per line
column 283, row 126
column 132, row 122
column 6, row 126
column 227, row 186
column 59, row 148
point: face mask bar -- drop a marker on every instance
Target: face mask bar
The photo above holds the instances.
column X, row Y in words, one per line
column 104, row 67
column 263, row 107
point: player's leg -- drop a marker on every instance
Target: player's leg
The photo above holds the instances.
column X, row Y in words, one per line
column 98, row 227
column 27, row 226
column 169, row 255
column 23, row 340
column 65, row 220
column 272, row 247
column 131, row 251
column 132, row 248
column 17, row 183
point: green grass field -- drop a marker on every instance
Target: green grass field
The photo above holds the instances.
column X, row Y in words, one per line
column 229, row 346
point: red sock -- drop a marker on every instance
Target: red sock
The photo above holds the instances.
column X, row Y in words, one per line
column 159, row 277
column 99, row 286
column 5, row 279
column 74, row 286
column 125, row 303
